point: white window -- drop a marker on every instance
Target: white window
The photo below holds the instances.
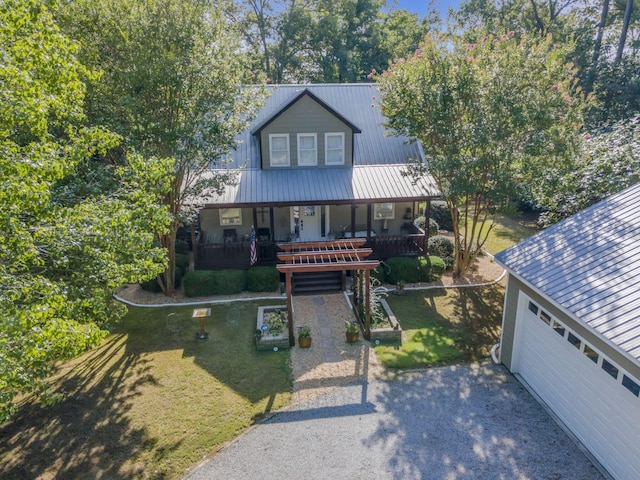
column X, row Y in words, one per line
column 230, row 216
column 279, row 149
column 384, row 211
column 307, row 149
column 334, row 148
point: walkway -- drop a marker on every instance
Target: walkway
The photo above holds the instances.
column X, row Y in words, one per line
column 331, row 361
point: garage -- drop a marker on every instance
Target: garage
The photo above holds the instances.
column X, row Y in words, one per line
column 571, row 326
column 592, row 396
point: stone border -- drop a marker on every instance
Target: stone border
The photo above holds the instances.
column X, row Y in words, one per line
column 270, row 342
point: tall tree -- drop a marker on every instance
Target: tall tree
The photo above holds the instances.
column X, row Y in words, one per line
column 488, row 115
column 61, row 255
column 170, row 85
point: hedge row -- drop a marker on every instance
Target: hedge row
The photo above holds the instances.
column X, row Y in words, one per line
column 200, row 283
column 411, row 270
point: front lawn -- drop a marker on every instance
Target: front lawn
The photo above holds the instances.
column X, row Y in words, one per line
column 149, row 403
column 510, row 229
column 444, row 326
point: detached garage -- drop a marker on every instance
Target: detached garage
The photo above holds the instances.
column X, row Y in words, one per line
column 571, row 325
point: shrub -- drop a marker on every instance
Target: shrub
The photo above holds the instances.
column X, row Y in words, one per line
column 227, row 282
column 442, row 247
column 199, row 283
column 413, row 270
column 262, row 279
column 154, row 287
column 433, row 225
column 182, row 262
column 441, row 214
column 431, row 268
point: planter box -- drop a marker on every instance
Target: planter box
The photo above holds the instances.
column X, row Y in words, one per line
column 267, row 341
column 391, row 334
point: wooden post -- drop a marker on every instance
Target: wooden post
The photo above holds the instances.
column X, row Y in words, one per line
column 343, row 279
column 353, row 221
column 427, row 221
column 292, row 340
column 367, row 304
column 255, row 218
column 368, row 222
column 272, row 226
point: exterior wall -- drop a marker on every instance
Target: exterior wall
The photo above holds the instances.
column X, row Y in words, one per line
column 306, row 116
column 509, row 334
column 211, row 229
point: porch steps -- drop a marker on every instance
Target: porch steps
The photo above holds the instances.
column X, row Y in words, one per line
column 311, row 283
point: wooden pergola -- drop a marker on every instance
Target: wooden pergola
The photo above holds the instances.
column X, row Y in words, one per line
column 337, row 255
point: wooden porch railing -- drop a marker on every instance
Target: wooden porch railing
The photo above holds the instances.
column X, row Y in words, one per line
column 209, row 256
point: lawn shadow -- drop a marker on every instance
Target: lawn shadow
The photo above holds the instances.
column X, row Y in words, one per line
column 76, row 438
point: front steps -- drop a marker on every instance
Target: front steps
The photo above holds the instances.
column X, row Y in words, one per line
column 311, row 283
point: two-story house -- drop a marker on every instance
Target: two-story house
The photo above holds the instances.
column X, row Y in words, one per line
column 316, row 164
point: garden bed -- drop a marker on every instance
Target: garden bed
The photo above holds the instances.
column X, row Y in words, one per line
column 272, row 328
column 389, row 333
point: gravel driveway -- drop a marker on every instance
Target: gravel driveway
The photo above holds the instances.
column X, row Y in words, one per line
column 461, row 422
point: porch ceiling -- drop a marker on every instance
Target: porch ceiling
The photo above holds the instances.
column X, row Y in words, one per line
column 371, row 183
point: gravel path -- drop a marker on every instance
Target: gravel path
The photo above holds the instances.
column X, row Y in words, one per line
column 461, row 422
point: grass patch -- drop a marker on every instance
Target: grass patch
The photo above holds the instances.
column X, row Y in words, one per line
column 444, row 326
column 149, row 403
column 509, row 230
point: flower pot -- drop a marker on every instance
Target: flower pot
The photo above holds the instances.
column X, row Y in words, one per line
column 353, row 337
column 304, row 342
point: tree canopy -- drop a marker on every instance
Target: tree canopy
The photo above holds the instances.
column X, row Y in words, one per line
column 489, row 115
column 61, row 255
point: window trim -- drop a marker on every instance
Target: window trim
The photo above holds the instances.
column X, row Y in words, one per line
column 279, row 135
column 239, row 216
column 391, row 216
column 327, row 149
column 315, row 149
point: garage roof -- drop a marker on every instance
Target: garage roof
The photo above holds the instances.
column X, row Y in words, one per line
column 589, row 265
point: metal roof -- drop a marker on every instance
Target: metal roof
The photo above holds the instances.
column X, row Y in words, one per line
column 356, row 103
column 295, row 186
column 589, row 265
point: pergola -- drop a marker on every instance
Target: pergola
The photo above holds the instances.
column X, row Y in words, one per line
column 337, row 255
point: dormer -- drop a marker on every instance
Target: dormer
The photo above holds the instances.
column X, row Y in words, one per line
column 306, row 133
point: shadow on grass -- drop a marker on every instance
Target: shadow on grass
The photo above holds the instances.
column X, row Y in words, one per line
column 77, row 435
column 150, row 401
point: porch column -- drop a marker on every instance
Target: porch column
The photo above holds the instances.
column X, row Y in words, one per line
column 427, row 221
column 255, row 217
column 368, row 222
column 272, row 227
column 292, row 340
column 353, row 221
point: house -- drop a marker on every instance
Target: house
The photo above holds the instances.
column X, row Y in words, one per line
column 571, row 326
column 315, row 165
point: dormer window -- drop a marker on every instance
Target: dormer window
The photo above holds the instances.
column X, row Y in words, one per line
column 307, row 149
column 334, row 148
column 279, row 149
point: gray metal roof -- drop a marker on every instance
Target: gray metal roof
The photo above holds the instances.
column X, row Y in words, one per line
column 357, row 103
column 589, row 264
column 323, row 185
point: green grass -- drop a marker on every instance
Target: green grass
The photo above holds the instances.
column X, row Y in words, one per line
column 149, row 403
column 444, row 326
column 510, row 229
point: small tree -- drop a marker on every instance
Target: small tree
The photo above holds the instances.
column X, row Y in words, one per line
column 488, row 115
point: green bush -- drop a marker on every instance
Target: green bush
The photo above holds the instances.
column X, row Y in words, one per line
column 413, row 270
column 182, row 261
column 228, row 282
column 262, row 279
column 154, row 287
column 433, row 225
column 199, row 283
column 441, row 214
column 431, row 268
column 442, row 247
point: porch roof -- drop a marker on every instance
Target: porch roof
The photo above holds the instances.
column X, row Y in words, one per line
column 379, row 183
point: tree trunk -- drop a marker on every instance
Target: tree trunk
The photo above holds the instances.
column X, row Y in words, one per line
column 625, row 28
column 597, row 46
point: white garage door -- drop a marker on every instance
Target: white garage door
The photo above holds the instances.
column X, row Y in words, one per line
column 596, row 399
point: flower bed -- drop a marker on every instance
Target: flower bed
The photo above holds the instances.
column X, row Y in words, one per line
column 272, row 328
column 387, row 330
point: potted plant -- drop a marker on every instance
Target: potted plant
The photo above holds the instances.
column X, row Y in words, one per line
column 353, row 332
column 304, row 337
